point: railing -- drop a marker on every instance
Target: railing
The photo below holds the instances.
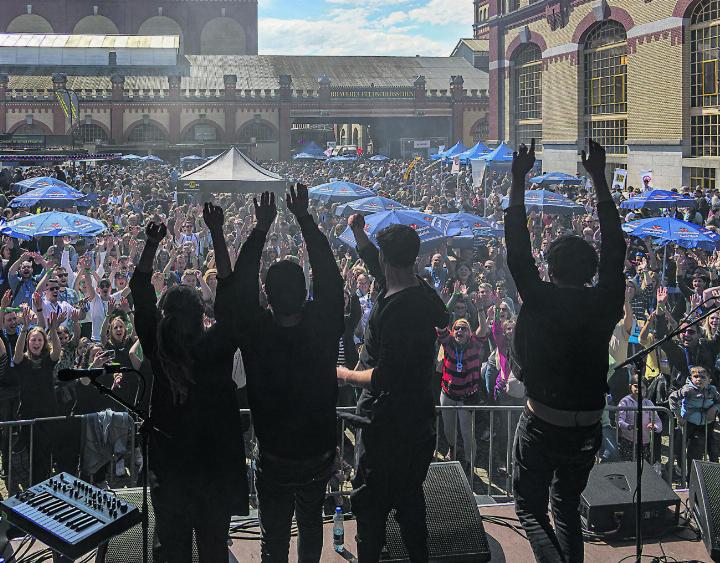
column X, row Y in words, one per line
column 482, row 461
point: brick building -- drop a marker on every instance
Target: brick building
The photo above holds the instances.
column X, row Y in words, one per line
column 640, row 76
column 205, row 27
column 142, row 94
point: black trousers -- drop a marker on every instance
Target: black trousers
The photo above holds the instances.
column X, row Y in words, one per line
column 391, row 475
column 176, row 516
column 285, row 487
column 552, row 464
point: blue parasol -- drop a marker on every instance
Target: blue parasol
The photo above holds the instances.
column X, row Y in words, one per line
column 339, row 192
column 368, row 205
column 462, row 224
column 53, row 224
column 658, row 199
column 39, row 182
column 51, row 196
column 666, row 230
column 545, row 201
column 557, row 178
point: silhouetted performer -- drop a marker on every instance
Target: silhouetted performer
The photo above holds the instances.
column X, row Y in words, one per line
column 398, row 366
column 290, row 353
column 561, row 343
column 197, row 472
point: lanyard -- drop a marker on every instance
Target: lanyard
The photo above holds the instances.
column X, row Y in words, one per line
column 459, row 353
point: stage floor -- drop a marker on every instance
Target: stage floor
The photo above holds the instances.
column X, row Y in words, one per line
column 506, row 544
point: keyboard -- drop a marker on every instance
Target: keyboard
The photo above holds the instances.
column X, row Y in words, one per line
column 70, row 516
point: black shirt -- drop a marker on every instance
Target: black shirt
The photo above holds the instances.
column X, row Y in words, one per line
column 562, row 335
column 400, row 346
column 291, row 371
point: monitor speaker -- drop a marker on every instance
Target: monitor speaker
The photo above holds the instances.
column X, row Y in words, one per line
column 704, row 503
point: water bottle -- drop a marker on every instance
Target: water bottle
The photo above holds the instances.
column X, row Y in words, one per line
column 338, row 530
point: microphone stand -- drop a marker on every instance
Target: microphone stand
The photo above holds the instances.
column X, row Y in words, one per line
column 639, row 422
column 146, row 426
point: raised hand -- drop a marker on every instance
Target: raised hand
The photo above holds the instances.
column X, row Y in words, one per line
column 213, row 216
column 297, row 200
column 75, row 315
column 356, row 222
column 156, row 232
column 37, row 301
column 523, row 160
column 111, row 305
column 6, row 299
column 662, row 295
column 265, row 211
column 594, row 160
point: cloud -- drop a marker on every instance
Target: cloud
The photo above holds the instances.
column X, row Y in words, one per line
column 394, row 18
column 443, row 12
column 341, row 36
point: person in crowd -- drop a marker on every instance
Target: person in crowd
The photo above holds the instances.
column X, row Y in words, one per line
column 197, row 461
column 626, row 421
column 396, row 374
column 695, row 406
column 347, row 351
column 21, row 279
column 290, row 354
column 563, row 333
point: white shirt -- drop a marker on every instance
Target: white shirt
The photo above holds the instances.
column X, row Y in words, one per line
column 98, row 312
column 58, row 307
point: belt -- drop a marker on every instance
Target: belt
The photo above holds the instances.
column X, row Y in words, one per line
column 563, row 418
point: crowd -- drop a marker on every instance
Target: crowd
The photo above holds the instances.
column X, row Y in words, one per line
column 66, row 301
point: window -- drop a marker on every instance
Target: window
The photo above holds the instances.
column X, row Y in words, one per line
column 90, row 133
column 703, row 177
column 147, row 133
column 480, row 130
column 605, row 85
column 202, row 132
column 705, row 135
column 261, row 132
column 527, row 84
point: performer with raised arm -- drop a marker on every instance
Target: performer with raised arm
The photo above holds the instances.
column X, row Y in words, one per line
column 561, row 342
column 197, row 464
column 397, row 368
column 290, row 353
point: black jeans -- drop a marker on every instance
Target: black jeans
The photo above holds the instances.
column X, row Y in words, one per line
column 176, row 516
column 552, row 464
column 285, row 487
column 391, row 476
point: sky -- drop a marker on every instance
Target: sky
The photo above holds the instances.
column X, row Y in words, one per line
column 363, row 27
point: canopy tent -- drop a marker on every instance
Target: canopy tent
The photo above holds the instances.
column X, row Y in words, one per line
column 53, row 224
column 455, row 150
column 39, row 182
column 480, row 149
column 502, row 154
column 233, row 172
column 658, row 199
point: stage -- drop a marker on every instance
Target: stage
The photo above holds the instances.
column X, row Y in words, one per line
column 506, row 544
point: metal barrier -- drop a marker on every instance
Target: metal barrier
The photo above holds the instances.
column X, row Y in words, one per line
column 482, row 463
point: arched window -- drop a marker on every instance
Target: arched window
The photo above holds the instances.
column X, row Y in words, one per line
column 147, row 133
column 90, row 133
column 222, row 36
column 202, row 133
column 257, row 130
column 605, row 81
column 29, row 23
column 527, row 84
column 30, row 129
column 704, row 90
column 480, row 130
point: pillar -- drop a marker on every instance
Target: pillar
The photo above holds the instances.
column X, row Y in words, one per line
column 59, row 83
column 230, row 81
column 284, row 119
column 457, row 92
column 174, row 109
column 116, row 111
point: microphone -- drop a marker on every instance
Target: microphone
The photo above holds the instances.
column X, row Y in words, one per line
column 70, row 374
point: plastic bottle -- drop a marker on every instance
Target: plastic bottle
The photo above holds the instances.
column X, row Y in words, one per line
column 338, row 530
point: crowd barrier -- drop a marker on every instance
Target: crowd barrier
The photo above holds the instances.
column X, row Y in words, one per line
column 488, row 462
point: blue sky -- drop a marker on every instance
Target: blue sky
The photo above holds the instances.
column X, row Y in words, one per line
column 363, row 27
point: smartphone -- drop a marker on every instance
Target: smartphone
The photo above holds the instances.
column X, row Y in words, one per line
column 109, row 354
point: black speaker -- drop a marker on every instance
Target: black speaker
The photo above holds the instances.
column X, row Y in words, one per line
column 704, row 498
column 607, row 504
column 127, row 547
column 455, row 530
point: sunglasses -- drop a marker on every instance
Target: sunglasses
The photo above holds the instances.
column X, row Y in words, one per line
column 460, row 328
column 62, row 275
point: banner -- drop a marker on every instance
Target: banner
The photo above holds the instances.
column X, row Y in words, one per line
column 478, row 172
column 456, row 165
column 69, row 103
column 619, row 179
column 410, row 168
column 421, row 144
column 646, row 179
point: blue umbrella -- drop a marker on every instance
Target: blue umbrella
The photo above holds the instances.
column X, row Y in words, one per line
column 339, row 192
column 557, row 178
column 546, row 201
column 51, row 196
column 191, row 158
column 658, row 199
column 430, row 232
column 342, row 159
column 461, row 224
column 151, row 158
column 131, row 157
column 666, row 230
column 379, row 158
column 39, row 182
column 53, row 224
column 368, row 205
column 308, row 156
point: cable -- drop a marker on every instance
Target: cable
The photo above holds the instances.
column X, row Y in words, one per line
column 499, row 521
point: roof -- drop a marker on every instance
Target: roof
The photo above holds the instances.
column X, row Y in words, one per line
column 476, row 45
column 47, row 40
column 261, row 72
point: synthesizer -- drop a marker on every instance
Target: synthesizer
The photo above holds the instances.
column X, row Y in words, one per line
column 70, row 516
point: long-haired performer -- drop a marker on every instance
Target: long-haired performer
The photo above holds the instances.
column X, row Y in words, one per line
column 197, row 464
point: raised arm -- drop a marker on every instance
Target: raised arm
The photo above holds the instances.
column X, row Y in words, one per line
column 367, row 250
column 612, row 247
column 517, row 236
column 56, row 319
column 214, row 219
column 327, row 281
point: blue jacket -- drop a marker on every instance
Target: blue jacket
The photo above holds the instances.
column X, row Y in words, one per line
column 693, row 403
